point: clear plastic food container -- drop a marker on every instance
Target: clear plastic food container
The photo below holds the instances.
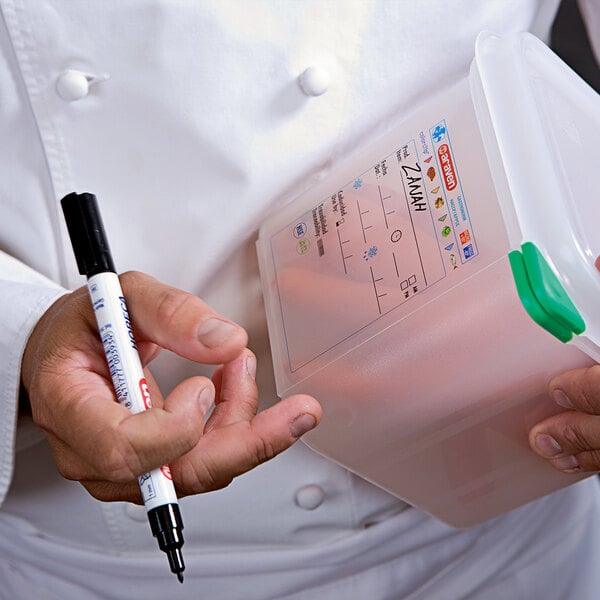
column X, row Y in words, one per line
column 407, row 290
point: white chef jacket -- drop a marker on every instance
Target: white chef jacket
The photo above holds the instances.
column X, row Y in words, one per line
column 187, row 121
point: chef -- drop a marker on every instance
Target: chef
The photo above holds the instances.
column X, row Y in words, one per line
column 192, row 122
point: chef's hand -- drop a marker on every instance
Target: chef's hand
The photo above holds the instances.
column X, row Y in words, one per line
column 570, row 441
column 100, row 443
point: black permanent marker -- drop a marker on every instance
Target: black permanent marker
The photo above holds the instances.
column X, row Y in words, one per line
column 94, row 260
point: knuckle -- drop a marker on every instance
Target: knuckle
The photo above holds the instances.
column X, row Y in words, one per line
column 98, row 492
column 46, row 399
column 172, row 304
column 130, row 279
column 263, row 450
column 590, row 460
column 190, row 433
column 575, row 437
column 117, row 460
column 67, row 471
column 208, row 477
column 106, row 491
column 40, row 416
column 67, row 464
column 589, row 398
column 246, row 404
column 593, row 372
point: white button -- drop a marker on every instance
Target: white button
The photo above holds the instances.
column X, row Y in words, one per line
column 136, row 512
column 314, row 81
column 72, row 85
column 310, row 497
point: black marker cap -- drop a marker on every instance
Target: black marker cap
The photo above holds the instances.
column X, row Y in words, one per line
column 86, row 231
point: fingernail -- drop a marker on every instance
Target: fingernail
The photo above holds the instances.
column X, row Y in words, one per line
column 570, row 464
column 547, row 445
column 300, row 425
column 206, row 399
column 215, row 332
column 251, row 366
column 561, row 399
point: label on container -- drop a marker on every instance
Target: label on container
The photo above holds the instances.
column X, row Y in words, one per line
column 384, row 237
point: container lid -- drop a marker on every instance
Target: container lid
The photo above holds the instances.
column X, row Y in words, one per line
column 541, row 126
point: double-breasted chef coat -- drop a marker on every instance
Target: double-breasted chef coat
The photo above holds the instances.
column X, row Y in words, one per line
column 189, row 122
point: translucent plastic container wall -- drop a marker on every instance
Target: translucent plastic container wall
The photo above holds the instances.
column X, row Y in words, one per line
column 390, row 298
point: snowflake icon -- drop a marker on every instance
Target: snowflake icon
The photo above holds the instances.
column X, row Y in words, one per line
column 439, row 133
column 370, row 253
column 358, row 183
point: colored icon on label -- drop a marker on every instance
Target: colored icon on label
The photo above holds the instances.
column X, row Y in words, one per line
column 428, row 160
column 439, row 202
column 449, row 247
column 453, row 261
column 439, row 133
column 357, row 183
column 302, row 246
column 300, row 230
column 370, row 253
column 436, row 190
column 465, row 237
column 446, row 231
column 431, row 173
column 468, row 251
column 443, row 217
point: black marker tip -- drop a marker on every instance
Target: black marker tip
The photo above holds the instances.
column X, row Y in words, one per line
column 166, row 524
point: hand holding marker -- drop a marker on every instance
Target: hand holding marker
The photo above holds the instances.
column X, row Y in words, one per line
column 94, row 260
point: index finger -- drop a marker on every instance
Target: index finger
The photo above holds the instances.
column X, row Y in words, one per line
column 180, row 322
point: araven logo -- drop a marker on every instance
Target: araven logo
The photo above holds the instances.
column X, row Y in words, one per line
column 448, row 171
column 145, row 393
column 166, row 471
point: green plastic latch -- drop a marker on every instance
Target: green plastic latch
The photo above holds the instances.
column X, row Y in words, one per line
column 542, row 294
